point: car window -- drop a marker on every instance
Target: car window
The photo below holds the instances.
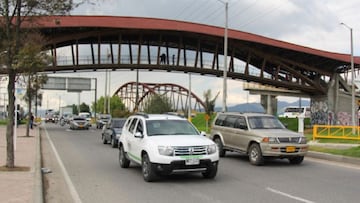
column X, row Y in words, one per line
column 132, row 125
column 264, row 122
column 230, row 121
column 240, row 123
column 117, row 123
column 170, row 127
column 220, row 120
column 139, row 127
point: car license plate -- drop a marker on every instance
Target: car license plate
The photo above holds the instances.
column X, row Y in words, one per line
column 192, row 162
column 81, row 126
column 290, row 149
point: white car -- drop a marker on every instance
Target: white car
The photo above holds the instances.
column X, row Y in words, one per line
column 166, row 144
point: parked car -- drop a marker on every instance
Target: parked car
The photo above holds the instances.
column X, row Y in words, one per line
column 112, row 131
column 258, row 135
column 102, row 119
column 166, row 144
column 78, row 122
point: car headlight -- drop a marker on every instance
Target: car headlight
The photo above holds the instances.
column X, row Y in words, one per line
column 302, row 140
column 211, row 149
column 166, row 150
column 270, row 140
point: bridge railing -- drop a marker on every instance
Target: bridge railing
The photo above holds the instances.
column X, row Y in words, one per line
column 336, row 132
column 126, row 59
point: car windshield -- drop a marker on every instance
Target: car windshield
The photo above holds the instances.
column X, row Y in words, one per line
column 170, row 127
column 265, row 122
column 118, row 123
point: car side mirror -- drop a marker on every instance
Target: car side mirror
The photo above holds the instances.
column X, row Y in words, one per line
column 203, row 133
column 138, row 135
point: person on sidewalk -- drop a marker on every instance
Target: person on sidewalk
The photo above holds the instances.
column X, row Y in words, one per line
column 31, row 121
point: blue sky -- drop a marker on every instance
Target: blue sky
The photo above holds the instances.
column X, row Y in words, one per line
column 309, row 23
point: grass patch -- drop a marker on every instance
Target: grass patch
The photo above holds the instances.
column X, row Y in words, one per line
column 200, row 122
column 352, row 152
column 15, row 169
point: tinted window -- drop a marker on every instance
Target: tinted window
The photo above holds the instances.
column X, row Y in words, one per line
column 220, row 120
column 117, row 123
column 241, row 123
column 230, row 121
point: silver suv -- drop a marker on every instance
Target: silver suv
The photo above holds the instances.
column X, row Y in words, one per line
column 166, row 144
column 258, row 135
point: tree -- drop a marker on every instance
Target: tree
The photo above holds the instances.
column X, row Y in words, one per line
column 31, row 60
column 84, row 107
column 209, row 103
column 117, row 107
column 158, row 104
column 13, row 14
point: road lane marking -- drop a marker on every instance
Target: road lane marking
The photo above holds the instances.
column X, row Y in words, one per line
column 288, row 195
column 73, row 192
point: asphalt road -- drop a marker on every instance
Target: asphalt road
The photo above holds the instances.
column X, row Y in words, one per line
column 89, row 172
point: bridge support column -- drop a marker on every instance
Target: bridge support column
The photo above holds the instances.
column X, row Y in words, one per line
column 269, row 102
column 334, row 108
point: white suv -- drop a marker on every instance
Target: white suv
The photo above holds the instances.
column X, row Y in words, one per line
column 166, row 144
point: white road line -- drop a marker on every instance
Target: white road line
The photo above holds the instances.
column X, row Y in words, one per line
column 68, row 181
column 288, row 195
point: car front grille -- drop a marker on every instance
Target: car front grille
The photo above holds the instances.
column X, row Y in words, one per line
column 289, row 139
column 193, row 150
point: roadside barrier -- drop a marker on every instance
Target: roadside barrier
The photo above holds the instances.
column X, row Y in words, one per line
column 336, row 132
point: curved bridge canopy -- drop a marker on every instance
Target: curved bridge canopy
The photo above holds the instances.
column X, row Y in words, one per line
column 105, row 42
column 135, row 95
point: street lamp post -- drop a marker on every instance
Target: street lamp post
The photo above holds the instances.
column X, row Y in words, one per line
column 224, row 108
column 352, row 77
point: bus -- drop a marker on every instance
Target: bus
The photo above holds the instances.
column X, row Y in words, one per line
column 295, row 112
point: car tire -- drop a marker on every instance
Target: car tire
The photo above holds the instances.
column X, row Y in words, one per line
column 123, row 161
column 147, row 168
column 210, row 172
column 255, row 155
column 104, row 141
column 113, row 142
column 296, row 160
column 220, row 146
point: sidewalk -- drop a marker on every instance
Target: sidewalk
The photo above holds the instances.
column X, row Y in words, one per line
column 21, row 186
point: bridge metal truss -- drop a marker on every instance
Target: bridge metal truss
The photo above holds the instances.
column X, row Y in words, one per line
column 136, row 95
column 115, row 49
column 129, row 43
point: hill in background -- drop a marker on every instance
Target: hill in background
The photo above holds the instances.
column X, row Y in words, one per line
column 257, row 108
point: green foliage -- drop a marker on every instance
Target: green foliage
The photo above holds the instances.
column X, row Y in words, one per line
column 75, row 109
column 292, row 123
column 200, row 122
column 158, row 104
column 84, row 107
column 117, row 107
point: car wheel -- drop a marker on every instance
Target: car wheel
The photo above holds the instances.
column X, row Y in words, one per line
column 255, row 155
column 220, row 146
column 113, row 142
column 210, row 172
column 147, row 169
column 104, row 141
column 296, row 160
column 123, row 161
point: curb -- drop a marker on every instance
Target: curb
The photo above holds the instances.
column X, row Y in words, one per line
column 38, row 188
column 332, row 157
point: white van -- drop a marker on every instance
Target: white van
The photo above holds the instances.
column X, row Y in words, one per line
column 295, row 112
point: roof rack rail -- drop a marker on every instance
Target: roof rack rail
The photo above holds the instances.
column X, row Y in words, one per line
column 142, row 114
